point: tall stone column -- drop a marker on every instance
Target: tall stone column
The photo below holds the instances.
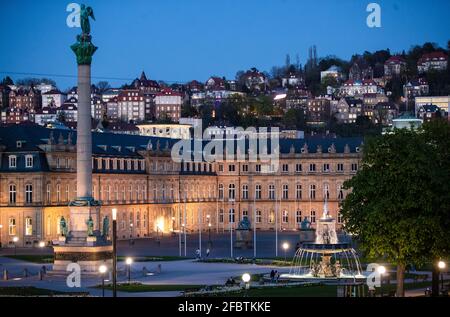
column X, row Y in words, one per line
column 84, row 135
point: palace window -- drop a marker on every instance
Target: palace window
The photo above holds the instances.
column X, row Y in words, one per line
column 298, row 216
column 49, row 193
column 107, row 192
column 138, row 219
column 220, row 167
column 271, row 216
column 28, row 193
column 312, row 191
column 298, row 191
column 285, row 216
column 221, row 216
column 231, row 191
column 313, row 216
column 272, row 191
column 245, row 168
column 354, row 167
column 326, row 168
column 58, row 192
column 258, row 191
column 12, row 161
column 285, row 168
column 130, row 192
column 123, row 221
column 244, row 213
column 220, row 191
column 28, row 226
column 340, row 192
column 285, row 191
column 340, row 167
column 258, row 216
column 298, row 168
column 12, row 194
column 131, row 220
column 339, row 217
column 124, row 195
column 144, row 220
column 245, row 191
column 67, row 193
column 28, row 161
column 258, row 167
column 12, row 229
column 231, row 216
column 326, row 191
column 231, row 168
column 312, row 167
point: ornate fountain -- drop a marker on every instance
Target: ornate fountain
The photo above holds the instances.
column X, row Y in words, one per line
column 326, row 258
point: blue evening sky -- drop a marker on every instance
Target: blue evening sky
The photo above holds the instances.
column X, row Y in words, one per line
column 181, row 40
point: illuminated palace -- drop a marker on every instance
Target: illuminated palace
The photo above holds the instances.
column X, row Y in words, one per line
column 152, row 193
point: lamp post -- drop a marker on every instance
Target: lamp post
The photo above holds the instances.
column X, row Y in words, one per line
column 246, row 279
column 15, row 240
column 285, row 247
column 41, row 244
column 208, row 218
column 102, row 269
column 441, row 266
column 131, row 234
column 128, row 262
column 114, row 243
column 1, row 227
column 382, row 270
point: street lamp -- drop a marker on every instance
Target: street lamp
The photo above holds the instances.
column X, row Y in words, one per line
column 114, row 242
column 15, row 240
column 382, row 270
column 42, row 244
column 285, row 247
column 441, row 266
column 102, row 269
column 246, row 279
column 1, row 227
column 128, row 262
column 131, row 234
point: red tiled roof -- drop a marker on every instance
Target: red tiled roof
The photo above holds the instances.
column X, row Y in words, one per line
column 432, row 56
column 168, row 92
column 395, row 60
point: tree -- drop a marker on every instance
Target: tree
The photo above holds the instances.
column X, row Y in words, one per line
column 7, row 81
column 35, row 81
column 399, row 207
column 103, row 86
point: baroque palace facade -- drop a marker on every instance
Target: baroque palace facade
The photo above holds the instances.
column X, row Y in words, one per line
column 153, row 194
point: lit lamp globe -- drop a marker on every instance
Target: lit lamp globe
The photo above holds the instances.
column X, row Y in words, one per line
column 114, row 213
column 128, row 261
column 246, row 277
column 381, row 269
column 15, row 239
column 102, row 269
column 285, row 246
column 441, row 265
column 41, row 244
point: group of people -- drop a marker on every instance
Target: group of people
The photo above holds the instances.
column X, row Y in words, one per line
column 274, row 276
column 198, row 253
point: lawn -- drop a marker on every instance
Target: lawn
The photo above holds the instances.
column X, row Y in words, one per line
column 33, row 291
column 138, row 287
column 34, row 258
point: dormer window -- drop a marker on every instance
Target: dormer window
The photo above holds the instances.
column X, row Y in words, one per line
column 12, row 161
column 28, row 161
column 19, row 144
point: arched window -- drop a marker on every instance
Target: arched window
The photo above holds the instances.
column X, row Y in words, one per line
column 221, row 216
column 298, row 192
column 340, row 192
column 339, row 217
column 28, row 193
column 271, row 216
column 326, row 191
column 245, row 191
column 29, row 161
column 220, row 191
column 67, row 196
column 258, row 191
column 272, row 191
column 312, row 191
column 12, row 194
column 285, row 191
column 49, row 193
column 138, row 219
column 231, row 191
column 58, row 192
